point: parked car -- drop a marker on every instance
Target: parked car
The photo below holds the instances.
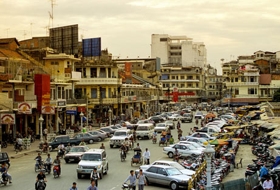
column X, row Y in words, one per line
column 4, row 157
column 194, row 144
column 165, row 175
column 63, row 139
column 108, row 130
column 87, row 137
column 187, row 117
column 160, row 127
column 172, row 164
column 75, row 153
column 170, row 124
column 156, row 119
column 210, row 130
column 175, row 117
column 200, row 141
column 203, row 135
column 100, row 136
column 105, row 133
column 183, row 149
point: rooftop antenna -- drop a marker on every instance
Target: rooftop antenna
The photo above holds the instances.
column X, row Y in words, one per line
column 8, row 29
column 24, row 34
column 31, row 28
column 51, row 13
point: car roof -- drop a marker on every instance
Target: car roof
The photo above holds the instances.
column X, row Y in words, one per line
column 123, row 130
column 165, row 161
column 95, row 151
column 162, row 166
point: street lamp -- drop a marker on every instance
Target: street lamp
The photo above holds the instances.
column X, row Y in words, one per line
column 209, row 151
column 110, row 116
column 41, row 119
column 131, row 113
column 81, row 115
column 147, row 111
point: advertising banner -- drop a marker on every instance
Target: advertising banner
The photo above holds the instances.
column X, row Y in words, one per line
column 71, row 110
column 175, row 94
column 48, row 110
column 128, row 72
column 24, row 108
column 7, row 118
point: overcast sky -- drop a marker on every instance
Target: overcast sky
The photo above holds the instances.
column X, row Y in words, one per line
column 228, row 28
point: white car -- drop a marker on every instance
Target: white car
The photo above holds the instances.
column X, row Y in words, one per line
column 170, row 124
column 194, row 144
column 174, row 117
column 203, row 135
column 161, row 127
column 170, row 163
column 183, row 149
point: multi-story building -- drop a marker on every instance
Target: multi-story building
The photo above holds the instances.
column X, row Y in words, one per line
column 251, row 79
column 213, row 84
column 178, row 51
column 190, row 82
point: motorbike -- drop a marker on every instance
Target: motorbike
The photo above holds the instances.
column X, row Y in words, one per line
column 18, row 148
column 154, row 139
column 56, row 171
column 123, row 155
column 38, row 165
column 4, row 144
column 4, row 179
column 41, row 185
column 47, row 167
column 126, row 187
column 60, row 153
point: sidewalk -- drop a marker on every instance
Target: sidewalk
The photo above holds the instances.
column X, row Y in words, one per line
column 12, row 153
column 244, row 152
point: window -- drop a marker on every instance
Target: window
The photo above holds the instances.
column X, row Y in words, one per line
column 153, row 169
column 173, row 77
column 182, row 85
column 54, row 63
column 94, row 93
column 161, row 171
column 189, row 85
column 197, row 78
column 236, row 79
column 163, row 39
column 182, row 77
column 252, row 91
column 190, row 77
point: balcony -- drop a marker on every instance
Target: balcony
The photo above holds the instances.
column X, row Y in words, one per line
column 251, row 74
column 99, row 81
column 241, row 83
column 269, row 86
column 247, row 96
column 76, row 101
column 179, row 80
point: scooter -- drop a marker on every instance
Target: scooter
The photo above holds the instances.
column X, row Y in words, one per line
column 4, row 179
column 41, row 185
column 56, row 171
column 60, row 153
column 126, row 187
column 123, row 155
column 38, row 165
column 47, row 167
column 154, row 140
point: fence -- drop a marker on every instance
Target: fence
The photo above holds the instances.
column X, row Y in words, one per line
column 196, row 176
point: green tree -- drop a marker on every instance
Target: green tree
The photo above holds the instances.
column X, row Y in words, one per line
column 276, row 96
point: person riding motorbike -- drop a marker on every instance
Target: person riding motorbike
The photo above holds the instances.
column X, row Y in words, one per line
column 18, row 144
column 61, row 149
column 45, row 147
column 57, row 162
column 162, row 139
column 163, row 133
column 126, row 143
column 39, row 160
column 40, row 176
column 4, row 171
column 48, row 163
column 68, row 148
column 154, row 137
column 123, row 148
column 95, row 176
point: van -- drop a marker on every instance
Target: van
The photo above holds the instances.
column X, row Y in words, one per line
column 145, row 131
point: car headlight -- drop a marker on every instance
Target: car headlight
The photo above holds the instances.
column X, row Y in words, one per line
column 98, row 167
column 80, row 167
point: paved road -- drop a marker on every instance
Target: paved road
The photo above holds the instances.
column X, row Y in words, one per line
column 22, row 169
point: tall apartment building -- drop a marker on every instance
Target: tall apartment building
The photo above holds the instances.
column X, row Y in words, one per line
column 213, row 84
column 178, row 51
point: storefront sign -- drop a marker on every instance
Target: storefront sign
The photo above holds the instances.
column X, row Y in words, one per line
column 48, row 110
column 175, row 94
column 8, row 119
column 81, row 109
column 24, row 108
column 71, row 110
column 61, row 103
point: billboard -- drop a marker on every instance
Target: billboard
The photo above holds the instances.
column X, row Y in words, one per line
column 175, row 94
column 128, row 72
column 8, row 118
column 42, row 90
column 48, row 110
column 91, row 47
column 65, row 39
column 24, row 108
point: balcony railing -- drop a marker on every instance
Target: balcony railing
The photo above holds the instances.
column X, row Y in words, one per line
column 98, row 81
column 247, row 96
column 251, row 74
column 269, row 86
column 241, row 83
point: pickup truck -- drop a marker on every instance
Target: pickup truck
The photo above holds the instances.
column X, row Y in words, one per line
column 63, row 139
column 119, row 137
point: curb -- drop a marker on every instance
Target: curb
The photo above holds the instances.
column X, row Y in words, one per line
column 23, row 154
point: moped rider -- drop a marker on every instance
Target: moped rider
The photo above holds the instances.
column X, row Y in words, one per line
column 48, row 162
column 40, row 176
column 95, row 176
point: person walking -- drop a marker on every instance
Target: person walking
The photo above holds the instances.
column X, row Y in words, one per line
column 147, row 156
column 132, row 180
column 74, row 186
column 268, row 184
column 141, row 180
column 92, row 186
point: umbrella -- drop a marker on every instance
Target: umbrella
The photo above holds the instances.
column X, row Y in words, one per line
column 210, row 115
column 218, row 142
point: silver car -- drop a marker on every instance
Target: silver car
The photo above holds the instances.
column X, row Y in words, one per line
column 165, row 175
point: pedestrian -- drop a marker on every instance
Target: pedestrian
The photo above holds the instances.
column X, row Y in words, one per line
column 92, row 186
column 232, row 161
column 178, row 125
column 132, row 180
column 74, row 186
column 141, row 180
column 102, row 146
column 45, row 133
column 146, row 156
column 191, row 131
column 268, row 184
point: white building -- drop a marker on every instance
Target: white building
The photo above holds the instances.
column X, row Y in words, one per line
column 178, row 51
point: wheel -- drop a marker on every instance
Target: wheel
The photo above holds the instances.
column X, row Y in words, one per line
column 90, row 141
column 99, row 139
column 174, row 186
column 107, row 168
column 101, row 174
column 111, row 146
column 79, row 176
column 66, row 160
column 170, row 154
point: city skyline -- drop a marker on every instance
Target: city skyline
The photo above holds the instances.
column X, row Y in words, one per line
column 227, row 28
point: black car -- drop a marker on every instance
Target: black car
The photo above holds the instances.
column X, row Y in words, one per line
column 4, row 158
column 156, row 119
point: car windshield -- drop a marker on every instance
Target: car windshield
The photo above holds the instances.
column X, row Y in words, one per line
column 91, row 157
column 195, row 145
column 173, row 171
column 120, row 133
column 142, row 128
column 175, row 115
column 142, row 121
column 191, row 147
column 160, row 125
column 77, row 149
column 177, row 165
column 169, row 122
